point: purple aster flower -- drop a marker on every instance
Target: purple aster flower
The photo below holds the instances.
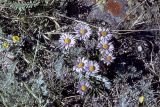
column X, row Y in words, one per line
column 79, row 65
column 66, row 41
column 104, row 33
column 83, row 87
column 91, row 67
column 108, row 58
column 83, row 31
column 104, row 46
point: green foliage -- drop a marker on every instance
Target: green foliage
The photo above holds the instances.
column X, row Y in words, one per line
column 23, row 6
column 11, row 89
column 105, row 80
column 39, row 85
column 58, row 65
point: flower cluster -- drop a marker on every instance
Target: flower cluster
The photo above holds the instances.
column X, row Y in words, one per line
column 84, row 67
column 6, row 43
column 83, row 32
column 105, row 46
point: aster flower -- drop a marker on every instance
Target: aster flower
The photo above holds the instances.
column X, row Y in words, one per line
column 83, row 87
column 107, row 58
column 79, row 65
column 67, row 41
column 104, row 33
column 104, row 45
column 83, row 31
column 91, row 67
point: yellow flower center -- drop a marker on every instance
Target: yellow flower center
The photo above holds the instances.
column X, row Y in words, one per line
column 83, row 88
column 103, row 33
column 5, row 44
column 91, row 68
column 105, row 46
column 141, row 99
column 67, row 41
column 16, row 38
column 109, row 58
column 80, row 65
column 83, row 31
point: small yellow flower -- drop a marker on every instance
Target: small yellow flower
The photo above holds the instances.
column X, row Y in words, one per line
column 84, row 88
column 141, row 99
column 16, row 38
column 67, row 41
column 5, row 44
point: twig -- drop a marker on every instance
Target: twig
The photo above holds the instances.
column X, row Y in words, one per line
column 35, row 53
column 136, row 30
column 138, row 19
column 98, row 27
column 152, row 69
column 76, row 20
column 52, row 32
column 30, row 91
